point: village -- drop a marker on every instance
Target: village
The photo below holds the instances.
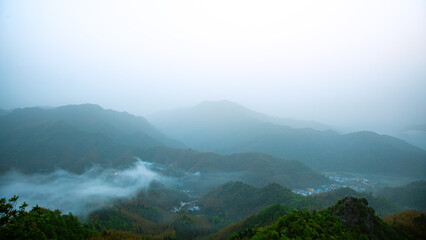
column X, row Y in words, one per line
column 186, row 207
column 357, row 184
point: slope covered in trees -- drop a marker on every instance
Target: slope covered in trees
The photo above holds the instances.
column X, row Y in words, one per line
column 122, row 127
column 382, row 206
column 76, row 137
column 46, row 146
column 263, row 218
column 147, row 216
column 73, row 137
column 350, row 218
column 411, row 221
column 39, row 223
column 206, row 170
column 410, row 196
column 236, row 200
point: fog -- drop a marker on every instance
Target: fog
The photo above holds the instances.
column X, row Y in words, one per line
column 359, row 63
column 79, row 194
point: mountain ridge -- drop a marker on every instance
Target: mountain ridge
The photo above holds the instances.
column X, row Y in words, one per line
column 120, row 126
column 225, row 127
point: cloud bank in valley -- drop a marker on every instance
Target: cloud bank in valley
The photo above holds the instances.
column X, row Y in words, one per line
column 79, row 194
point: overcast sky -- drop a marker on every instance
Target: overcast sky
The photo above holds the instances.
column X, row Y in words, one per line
column 359, row 63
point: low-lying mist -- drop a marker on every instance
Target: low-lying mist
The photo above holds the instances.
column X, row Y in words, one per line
column 78, row 193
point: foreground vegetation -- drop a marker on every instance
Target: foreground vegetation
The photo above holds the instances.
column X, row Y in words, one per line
column 146, row 217
column 38, row 223
column 350, row 218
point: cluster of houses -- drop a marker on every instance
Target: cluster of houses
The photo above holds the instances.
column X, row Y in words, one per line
column 345, row 179
column 186, row 207
column 357, row 184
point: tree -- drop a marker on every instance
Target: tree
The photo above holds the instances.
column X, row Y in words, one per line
column 39, row 223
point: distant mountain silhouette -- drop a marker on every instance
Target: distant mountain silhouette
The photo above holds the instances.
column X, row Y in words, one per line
column 76, row 137
column 226, row 127
column 73, row 137
column 120, row 126
column 221, row 113
column 46, row 146
column 415, row 134
column 410, row 196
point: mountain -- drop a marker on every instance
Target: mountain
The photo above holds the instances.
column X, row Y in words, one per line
column 271, row 214
column 263, row 218
column 149, row 212
column 349, row 218
column 236, row 200
column 413, row 222
column 76, row 137
column 148, row 215
column 73, row 137
column 417, row 127
column 200, row 171
column 226, row 127
column 222, row 115
column 382, row 206
column 362, row 152
column 39, row 223
column 46, row 146
column 415, row 134
column 120, row 126
column 410, row 196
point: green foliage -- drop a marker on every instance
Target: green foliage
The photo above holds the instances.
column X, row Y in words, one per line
column 39, row 223
column 245, row 227
column 350, row 218
column 411, row 221
column 235, row 200
column 253, row 168
column 304, row 225
column 159, row 196
column 117, row 235
column 148, row 216
column 109, row 218
column 381, row 205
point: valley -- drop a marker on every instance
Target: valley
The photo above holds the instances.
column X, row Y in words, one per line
column 123, row 177
column 212, row 120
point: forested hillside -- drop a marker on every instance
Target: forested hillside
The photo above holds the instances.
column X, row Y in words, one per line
column 232, row 211
column 207, row 170
column 350, row 218
column 410, row 196
column 383, row 207
column 122, row 127
column 236, row 200
column 226, row 127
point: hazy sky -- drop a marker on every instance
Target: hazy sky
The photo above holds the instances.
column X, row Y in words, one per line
column 360, row 63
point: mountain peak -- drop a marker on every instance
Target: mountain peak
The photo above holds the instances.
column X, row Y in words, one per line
column 222, row 104
column 85, row 106
column 356, row 212
column 224, row 101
